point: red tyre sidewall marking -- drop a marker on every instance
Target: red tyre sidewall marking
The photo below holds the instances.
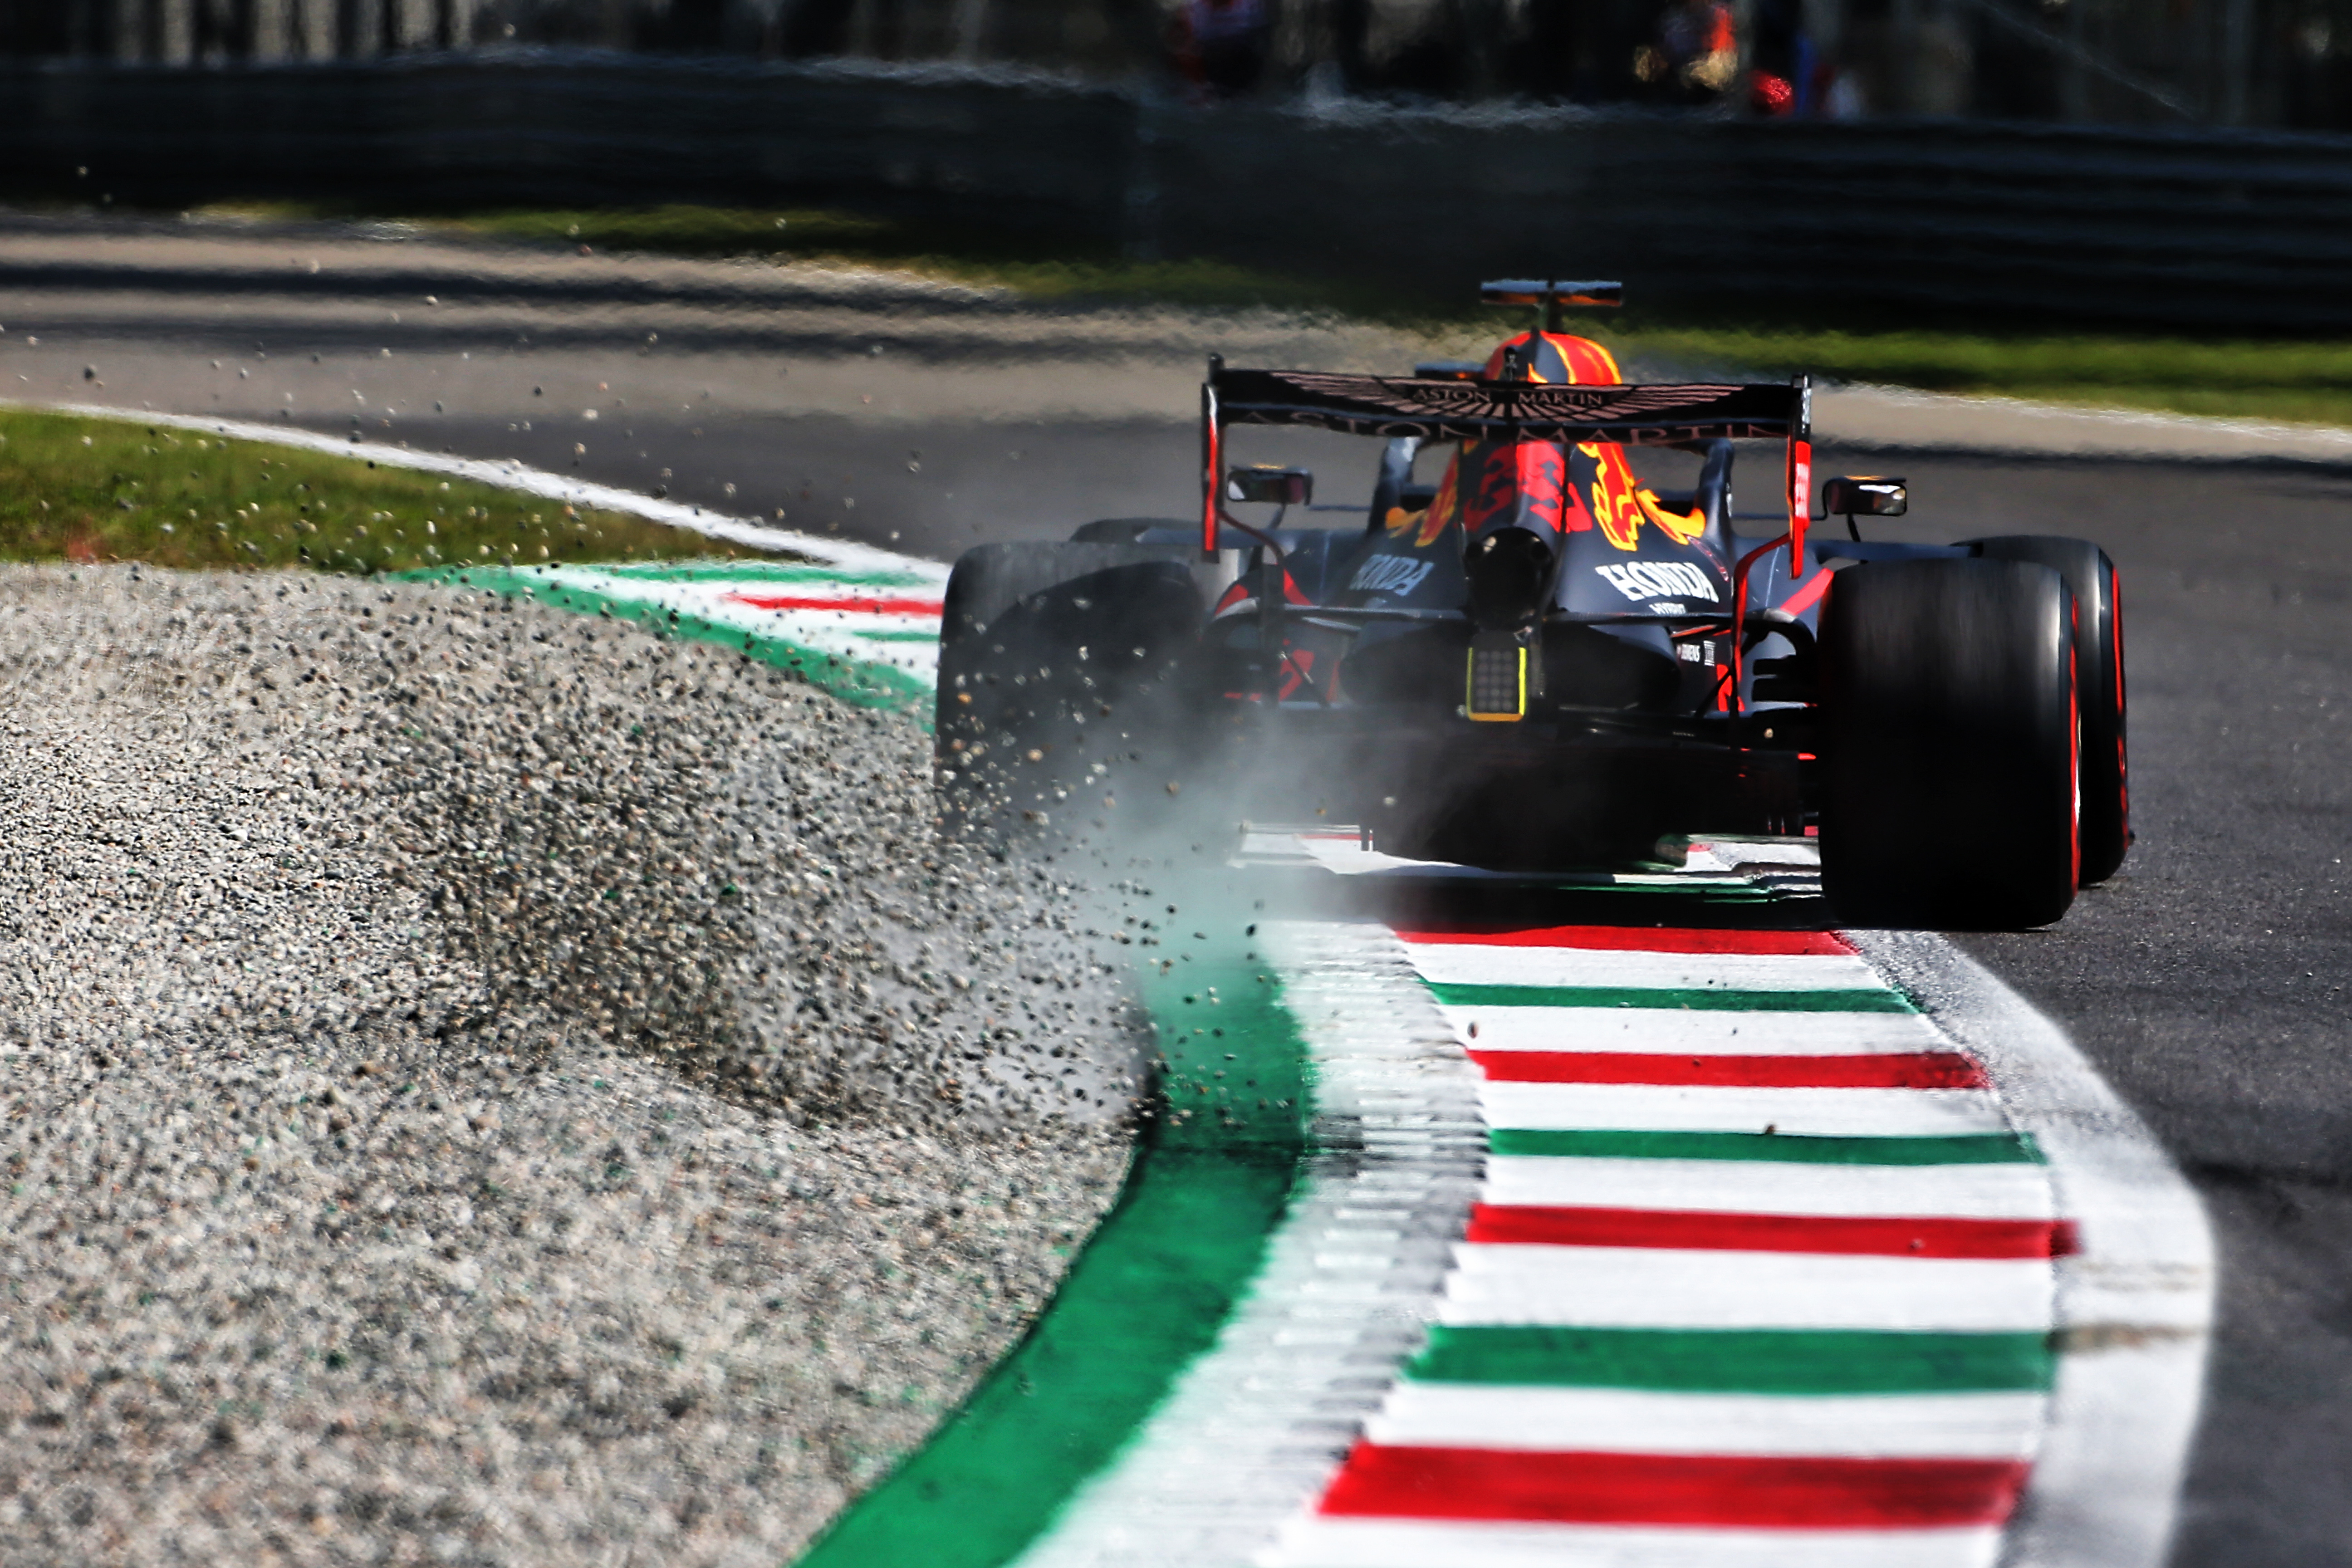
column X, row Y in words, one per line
column 2073, row 770
column 2115, row 647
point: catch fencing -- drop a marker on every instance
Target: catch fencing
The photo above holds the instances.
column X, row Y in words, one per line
column 2187, row 227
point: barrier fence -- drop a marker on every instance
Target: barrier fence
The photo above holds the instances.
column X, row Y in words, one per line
column 2190, row 228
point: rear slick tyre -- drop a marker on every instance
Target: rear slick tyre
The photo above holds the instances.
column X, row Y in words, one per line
column 1055, row 666
column 2105, row 829
column 1949, row 745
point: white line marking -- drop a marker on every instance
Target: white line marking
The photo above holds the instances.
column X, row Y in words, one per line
column 1755, row 1186
column 1464, row 964
column 1625, row 1420
column 2134, row 1306
column 1255, row 1427
column 1664, row 1287
column 1736, row 852
column 1902, row 417
column 1692, row 1032
column 514, row 476
column 1798, row 1112
column 1324, row 1542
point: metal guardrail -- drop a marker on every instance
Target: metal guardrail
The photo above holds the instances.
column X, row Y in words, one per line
column 2180, row 226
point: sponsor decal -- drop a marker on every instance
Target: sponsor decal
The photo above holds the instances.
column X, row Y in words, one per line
column 1397, row 575
column 1641, row 581
column 1425, row 526
column 1621, row 506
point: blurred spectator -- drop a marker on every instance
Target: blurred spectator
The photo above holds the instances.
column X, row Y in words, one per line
column 1696, row 54
column 1781, row 63
column 1221, row 45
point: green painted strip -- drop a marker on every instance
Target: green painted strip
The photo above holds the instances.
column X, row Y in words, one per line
column 1155, row 1283
column 1744, row 1361
column 896, row 637
column 1696, row 999
column 1146, row 1296
column 855, row 681
column 1205, row 1011
column 1964, row 1149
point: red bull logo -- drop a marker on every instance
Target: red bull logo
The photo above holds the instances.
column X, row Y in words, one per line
column 1621, row 504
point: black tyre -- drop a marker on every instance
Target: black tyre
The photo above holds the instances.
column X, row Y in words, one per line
column 1054, row 657
column 2105, row 829
column 1949, row 745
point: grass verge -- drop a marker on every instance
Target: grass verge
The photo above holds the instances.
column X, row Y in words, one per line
column 1038, row 266
column 2300, row 380
column 2281, row 379
column 2276, row 378
column 85, row 490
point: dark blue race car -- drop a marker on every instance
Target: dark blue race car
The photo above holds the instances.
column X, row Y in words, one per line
column 1527, row 658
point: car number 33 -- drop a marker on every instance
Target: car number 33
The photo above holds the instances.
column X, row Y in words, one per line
column 1645, row 580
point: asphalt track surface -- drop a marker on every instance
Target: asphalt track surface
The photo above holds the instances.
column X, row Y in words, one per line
column 2208, row 980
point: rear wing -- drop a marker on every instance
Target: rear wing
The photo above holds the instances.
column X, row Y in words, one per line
column 1451, row 410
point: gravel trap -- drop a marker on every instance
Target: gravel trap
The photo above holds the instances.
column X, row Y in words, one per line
column 484, row 1085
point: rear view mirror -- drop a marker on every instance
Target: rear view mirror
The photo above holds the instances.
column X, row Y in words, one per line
column 1272, row 485
column 1863, row 495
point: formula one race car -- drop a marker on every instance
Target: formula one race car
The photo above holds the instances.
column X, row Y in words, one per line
column 1540, row 662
